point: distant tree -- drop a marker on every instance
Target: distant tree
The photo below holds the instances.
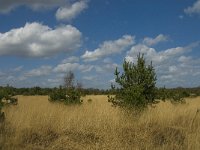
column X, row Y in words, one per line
column 69, row 80
column 136, row 85
column 70, row 93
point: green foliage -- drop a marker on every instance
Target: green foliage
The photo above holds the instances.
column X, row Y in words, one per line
column 175, row 96
column 136, row 85
column 1, row 105
column 70, row 94
column 73, row 96
column 58, row 95
column 161, row 93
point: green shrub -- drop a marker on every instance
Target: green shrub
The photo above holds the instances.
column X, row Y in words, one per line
column 177, row 97
column 73, row 96
column 136, row 85
column 70, row 94
column 58, row 95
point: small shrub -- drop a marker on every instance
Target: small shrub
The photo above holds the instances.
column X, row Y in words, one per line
column 2, row 117
column 73, row 96
column 89, row 100
column 68, row 96
column 58, row 95
column 177, row 97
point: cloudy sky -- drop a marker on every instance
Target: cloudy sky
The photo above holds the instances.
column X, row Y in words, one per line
column 41, row 40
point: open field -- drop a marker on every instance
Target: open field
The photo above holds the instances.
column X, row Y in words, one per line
column 37, row 124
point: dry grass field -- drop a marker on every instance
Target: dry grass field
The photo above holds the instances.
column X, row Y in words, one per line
column 37, row 124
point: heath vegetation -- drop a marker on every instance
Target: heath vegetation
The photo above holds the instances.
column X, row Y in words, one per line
column 35, row 123
column 43, row 122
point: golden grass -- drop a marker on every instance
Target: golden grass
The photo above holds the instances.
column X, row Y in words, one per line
column 37, row 124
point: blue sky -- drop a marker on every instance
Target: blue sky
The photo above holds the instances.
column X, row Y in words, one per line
column 41, row 40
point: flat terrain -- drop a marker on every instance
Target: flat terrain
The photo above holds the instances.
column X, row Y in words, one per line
column 37, row 124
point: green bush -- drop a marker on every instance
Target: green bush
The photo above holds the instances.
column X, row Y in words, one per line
column 58, row 95
column 177, row 97
column 136, row 85
column 73, row 96
column 70, row 94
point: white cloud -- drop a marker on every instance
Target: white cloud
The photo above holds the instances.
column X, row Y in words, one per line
column 166, row 77
column 19, row 68
column 85, row 68
column 42, row 71
column 106, row 68
column 90, row 78
column 8, row 5
column 153, row 41
column 184, row 59
column 37, row 40
column 62, row 68
column 173, row 67
column 71, row 59
column 109, row 48
column 67, row 9
column 55, row 81
column 195, row 9
column 107, row 60
column 152, row 54
column 68, row 13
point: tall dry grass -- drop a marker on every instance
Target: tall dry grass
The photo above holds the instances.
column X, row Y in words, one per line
column 37, row 124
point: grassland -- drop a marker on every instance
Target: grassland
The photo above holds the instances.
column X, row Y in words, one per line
column 37, row 124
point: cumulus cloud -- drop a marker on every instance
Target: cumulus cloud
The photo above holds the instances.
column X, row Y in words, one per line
column 152, row 54
column 173, row 66
column 109, row 48
column 68, row 13
column 37, row 40
column 195, row 9
column 153, row 41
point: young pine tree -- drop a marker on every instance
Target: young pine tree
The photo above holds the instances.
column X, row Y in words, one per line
column 136, row 85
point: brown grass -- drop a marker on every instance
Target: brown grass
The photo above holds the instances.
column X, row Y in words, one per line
column 37, row 124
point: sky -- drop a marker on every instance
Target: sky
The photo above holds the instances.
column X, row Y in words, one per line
column 41, row 40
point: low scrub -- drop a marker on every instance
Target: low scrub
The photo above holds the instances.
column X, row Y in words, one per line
column 68, row 96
